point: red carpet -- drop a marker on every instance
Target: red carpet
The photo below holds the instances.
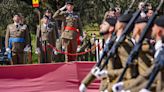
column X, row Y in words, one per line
column 45, row 78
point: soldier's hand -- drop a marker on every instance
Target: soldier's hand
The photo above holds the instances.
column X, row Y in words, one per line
column 64, row 7
column 99, row 74
column 55, row 52
column 118, row 87
column 8, row 50
column 78, row 49
column 81, row 38
column 63, row 48
column 94, row 70
column 27, row 48
column 102, row 74
column 82, row 88
column 37, row 51
column 144, row 90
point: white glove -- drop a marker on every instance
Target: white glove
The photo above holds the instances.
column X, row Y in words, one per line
column 63, row 48
column 118, row 87
column 37, row 51
column 55, row 52
column 82, row 88
column 94, row 70
column 144, row 90
column 81, row 38
column 64, row 7
column 99, row 74
column 106, row 90
column 27, row 48
column 133, row 40
column 120, row 91
column 78, row 49
column 143, row 15
column 8, row 50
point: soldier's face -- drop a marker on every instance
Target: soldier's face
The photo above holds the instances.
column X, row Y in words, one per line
column 158, row 33
column 45, row 20
column 112, row 13
column 69, row 7
column 150, row 13
column 155, row 31
column 16, row 18
column 104, row 27
column 118, row 25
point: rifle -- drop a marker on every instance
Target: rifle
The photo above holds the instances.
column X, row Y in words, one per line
column 126, row 31
column 136, row 49
column 159, row 65
column 130, row 7
column 108, row 46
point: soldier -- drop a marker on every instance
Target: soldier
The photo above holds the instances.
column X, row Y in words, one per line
column 28, row 49
column 45, row 36
column 158, row 35
column 58, row 45
column 106, row 30
column 149, row 13
column 144, row 60
column 117, row 63
column 93, row 52
column 71, row 27
column 84, row 47
column 17, row 38
column 52, row 21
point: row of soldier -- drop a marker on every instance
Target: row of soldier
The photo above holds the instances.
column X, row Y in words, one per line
column 129, row 57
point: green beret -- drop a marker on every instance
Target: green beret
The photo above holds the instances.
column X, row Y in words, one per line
column 160, row 21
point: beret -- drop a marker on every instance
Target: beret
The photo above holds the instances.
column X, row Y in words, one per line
column 125, row 18
column 111, row 21
column 160, row 21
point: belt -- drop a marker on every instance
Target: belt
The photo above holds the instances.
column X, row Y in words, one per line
column 11, row 40
column 70, row 28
